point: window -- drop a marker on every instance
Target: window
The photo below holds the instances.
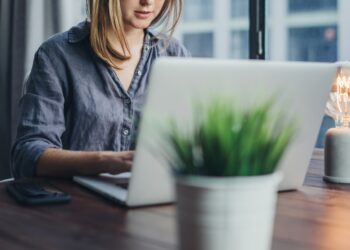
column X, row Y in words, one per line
column 317, row 44
column 200, row 44
column 239, row 44
column 302, row 30
column 239, row 8
column 198, row 10
column 311, row 5
column 215, row 28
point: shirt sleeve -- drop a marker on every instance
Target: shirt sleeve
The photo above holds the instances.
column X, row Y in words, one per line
column 179, row 49
column 41, row 120
column 175, row 48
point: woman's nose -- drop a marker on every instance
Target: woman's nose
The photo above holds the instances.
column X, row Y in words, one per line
column 146, row 2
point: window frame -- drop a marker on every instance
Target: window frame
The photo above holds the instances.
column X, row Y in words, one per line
column 257, row 23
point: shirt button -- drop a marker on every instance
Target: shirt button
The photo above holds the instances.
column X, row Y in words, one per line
column 139, row 73
column 127, row 101
column 126, row 131
column 146, row 47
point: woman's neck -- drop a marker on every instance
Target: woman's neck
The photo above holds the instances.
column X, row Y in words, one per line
column 134, row 38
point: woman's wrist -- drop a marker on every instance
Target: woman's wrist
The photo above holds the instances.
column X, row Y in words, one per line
column 103, row 161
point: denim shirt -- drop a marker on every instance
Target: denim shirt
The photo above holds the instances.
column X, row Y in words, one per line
column 75, row 101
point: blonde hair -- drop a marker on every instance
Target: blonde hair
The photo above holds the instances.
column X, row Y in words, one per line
column 106, row 14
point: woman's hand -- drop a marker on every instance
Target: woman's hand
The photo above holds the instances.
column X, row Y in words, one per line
column 117, row 162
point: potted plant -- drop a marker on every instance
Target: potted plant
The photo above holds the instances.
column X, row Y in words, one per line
column 225, row 181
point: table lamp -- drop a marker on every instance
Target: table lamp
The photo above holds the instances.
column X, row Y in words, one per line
column 337, row 140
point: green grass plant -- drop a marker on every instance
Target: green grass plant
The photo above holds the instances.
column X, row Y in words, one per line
column 226, row 141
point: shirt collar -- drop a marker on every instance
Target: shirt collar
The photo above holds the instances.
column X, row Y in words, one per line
column 79, row 32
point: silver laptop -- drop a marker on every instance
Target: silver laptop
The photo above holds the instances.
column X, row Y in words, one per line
column 176, row 84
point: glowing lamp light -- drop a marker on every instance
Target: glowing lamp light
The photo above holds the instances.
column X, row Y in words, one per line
column 338, row 105
column 337, row 141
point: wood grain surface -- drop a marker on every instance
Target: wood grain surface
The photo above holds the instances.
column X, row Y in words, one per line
column 317, row 216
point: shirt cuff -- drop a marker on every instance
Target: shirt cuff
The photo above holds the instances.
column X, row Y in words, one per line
column 26, row 157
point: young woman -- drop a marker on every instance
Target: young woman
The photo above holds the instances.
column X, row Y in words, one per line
column 87, row 87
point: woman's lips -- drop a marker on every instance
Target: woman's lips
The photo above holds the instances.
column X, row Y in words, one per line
column 143, row 14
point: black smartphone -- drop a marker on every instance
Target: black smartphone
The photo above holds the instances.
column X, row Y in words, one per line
column 30, row 192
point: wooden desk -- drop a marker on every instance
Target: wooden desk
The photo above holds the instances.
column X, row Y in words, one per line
column 315, row 217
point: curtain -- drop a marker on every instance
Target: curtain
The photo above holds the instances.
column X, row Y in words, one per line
column 12, row 50
column 47, row 17
column 24, row 25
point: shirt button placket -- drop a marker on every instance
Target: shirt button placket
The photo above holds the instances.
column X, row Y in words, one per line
column 126, row 132
column 127, row 101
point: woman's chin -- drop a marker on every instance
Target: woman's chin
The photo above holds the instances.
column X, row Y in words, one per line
column 142, row 24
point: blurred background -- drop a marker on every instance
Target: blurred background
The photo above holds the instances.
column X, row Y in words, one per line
column 296, row 30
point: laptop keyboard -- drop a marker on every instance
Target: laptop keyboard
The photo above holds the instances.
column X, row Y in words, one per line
column 123, row 185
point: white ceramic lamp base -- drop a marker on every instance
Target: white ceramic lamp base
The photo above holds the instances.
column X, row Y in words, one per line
column 337, row 155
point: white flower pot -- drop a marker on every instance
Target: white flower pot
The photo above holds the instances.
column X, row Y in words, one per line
column 226, row 213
